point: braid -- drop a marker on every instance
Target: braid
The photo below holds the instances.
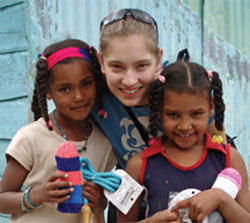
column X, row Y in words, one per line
column 183, row 56
column 35, row 105
column 155, row 97
column 96, row 69
column 40, row 91
column 216, row 86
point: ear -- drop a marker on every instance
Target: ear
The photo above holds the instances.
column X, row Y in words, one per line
column 158, row 65
column 48, row 96
column 159, row 59
column 100, row 60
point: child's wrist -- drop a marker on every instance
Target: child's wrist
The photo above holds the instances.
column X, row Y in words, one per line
column 98, row 217
column 32, row 200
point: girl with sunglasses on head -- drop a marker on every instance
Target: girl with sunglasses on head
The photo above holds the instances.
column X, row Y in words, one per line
column 68, row 73
column 185, row 156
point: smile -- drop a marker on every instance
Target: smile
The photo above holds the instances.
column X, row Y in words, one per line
column 80, row 108
column 185, row 136
column 131, row 92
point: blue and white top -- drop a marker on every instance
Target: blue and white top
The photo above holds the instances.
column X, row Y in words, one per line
column 120, row 128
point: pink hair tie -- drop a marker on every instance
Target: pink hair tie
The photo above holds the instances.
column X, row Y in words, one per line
column 161, row 78
column 210, row 74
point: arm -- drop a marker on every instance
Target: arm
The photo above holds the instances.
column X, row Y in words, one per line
column 11, row 183
column 134, row 170
column 207, row 201
column 96, row 200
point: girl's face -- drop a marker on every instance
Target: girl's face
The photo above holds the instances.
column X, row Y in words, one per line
column 130, row 67
column 72, row 88
column 185, row 117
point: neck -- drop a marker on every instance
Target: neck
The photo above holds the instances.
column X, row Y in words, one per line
column 73, row 130
column 184, row 156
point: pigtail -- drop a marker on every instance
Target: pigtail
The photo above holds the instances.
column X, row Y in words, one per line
column 183, row 56
column 96, row 69
column 40, row 91
column 35, row 105
column 216, row 86
column 155, row 97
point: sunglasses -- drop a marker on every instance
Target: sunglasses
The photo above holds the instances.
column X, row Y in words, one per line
column 137, row 14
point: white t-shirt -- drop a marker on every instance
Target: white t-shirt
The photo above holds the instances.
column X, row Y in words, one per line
column 34, row 147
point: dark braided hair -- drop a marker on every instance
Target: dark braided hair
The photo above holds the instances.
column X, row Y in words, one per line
column 39, row 101
column 185, row 77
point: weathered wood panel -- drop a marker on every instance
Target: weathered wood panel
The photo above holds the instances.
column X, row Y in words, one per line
column 13, row 115
column 4, row 218
column 8, row 3
column 13, row 31
column 13, row 75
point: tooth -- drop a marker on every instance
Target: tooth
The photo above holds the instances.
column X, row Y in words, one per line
column 130, row 91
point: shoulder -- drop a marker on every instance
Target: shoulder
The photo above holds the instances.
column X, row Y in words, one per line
column 28, row 131
column 237, row 162
column 32, row 127
column 134, row 166
column 235, row 157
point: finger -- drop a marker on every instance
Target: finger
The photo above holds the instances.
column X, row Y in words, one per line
column 93, row 200
column 60, row 199
column 60, row 193
column 57, row 176
column 201, row 217
column 182, row 204
column 58, row 184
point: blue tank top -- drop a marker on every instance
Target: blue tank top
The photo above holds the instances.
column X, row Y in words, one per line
column 163, row 178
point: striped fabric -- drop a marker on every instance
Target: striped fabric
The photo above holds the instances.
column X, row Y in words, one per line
column 68, row 162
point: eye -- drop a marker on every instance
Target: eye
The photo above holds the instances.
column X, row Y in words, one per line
column 64, row 89
column 86, row 84
column 116, row 67
column 142, row 66
column 197, row 114
column 172, row 115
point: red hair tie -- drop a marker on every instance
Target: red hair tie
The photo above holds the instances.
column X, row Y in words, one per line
column 152, row 141
column 102, row 113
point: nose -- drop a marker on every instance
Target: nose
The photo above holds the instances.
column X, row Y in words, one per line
column 78, row 95
column 184, row 124
column 130, row 78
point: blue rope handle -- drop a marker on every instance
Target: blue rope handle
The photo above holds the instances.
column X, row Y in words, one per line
column 107, row 180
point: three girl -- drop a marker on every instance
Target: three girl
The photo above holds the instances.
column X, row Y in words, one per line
column 68, row 72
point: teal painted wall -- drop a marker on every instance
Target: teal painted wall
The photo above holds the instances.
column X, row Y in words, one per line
column 214, row 32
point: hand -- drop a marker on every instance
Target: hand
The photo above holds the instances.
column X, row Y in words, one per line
column 95, row 196
column 165, row 216
column 201, row 204
column 50, row 191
